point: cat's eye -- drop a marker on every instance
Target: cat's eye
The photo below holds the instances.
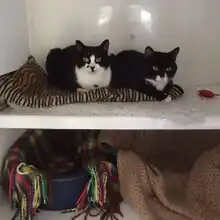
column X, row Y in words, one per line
column 155, row 68
column 98, row 59
column 168, row 68
column 85, row 59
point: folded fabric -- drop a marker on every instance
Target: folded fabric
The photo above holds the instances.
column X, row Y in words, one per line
column 27, row 87
column 163, row 148
column 156, row 195
column 172, row 175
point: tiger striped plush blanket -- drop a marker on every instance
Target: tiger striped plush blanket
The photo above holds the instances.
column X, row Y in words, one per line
column 27, row 87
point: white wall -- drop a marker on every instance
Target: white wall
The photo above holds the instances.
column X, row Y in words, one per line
column 14, row 47
column 163, row 24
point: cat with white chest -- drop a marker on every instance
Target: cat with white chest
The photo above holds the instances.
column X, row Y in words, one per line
column 79, row 67
column 151, row 72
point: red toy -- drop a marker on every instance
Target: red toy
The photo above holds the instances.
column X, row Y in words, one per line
column 207, row 94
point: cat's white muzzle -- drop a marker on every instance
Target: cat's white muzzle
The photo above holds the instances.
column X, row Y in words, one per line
column 92, row 68
column 159, row 83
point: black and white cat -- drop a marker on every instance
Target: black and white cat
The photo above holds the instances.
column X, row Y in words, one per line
column 151, row 72
column 79, row 66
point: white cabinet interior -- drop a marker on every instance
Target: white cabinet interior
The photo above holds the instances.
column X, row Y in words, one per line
column 14, row 42
column 192, row 25
column 36, row 26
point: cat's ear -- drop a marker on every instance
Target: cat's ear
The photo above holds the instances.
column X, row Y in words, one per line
column 148, row 52
column 174, row 53
column 105, row 45
column 79, row 45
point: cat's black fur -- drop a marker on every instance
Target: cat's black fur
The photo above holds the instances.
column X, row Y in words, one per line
column 61, row 63
column 131, row 68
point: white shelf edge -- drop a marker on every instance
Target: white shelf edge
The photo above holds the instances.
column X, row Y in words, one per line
column 101, row 122
column 187, row 113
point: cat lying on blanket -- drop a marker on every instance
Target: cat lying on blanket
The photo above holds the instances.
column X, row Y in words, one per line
column 88, row 67
column 151, row 72
column 79, row 66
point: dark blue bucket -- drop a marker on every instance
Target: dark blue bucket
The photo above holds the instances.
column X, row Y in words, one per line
column 65, row 191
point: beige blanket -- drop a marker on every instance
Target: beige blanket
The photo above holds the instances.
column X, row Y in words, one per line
column 172, row 175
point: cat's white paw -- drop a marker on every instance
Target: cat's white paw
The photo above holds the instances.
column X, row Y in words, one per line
column 82, row 90
column 168, row 99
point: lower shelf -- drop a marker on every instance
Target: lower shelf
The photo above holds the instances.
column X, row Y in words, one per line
column 7, row 213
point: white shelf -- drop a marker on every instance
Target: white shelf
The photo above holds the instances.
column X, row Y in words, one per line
column 189, row 112
column 6, row 213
